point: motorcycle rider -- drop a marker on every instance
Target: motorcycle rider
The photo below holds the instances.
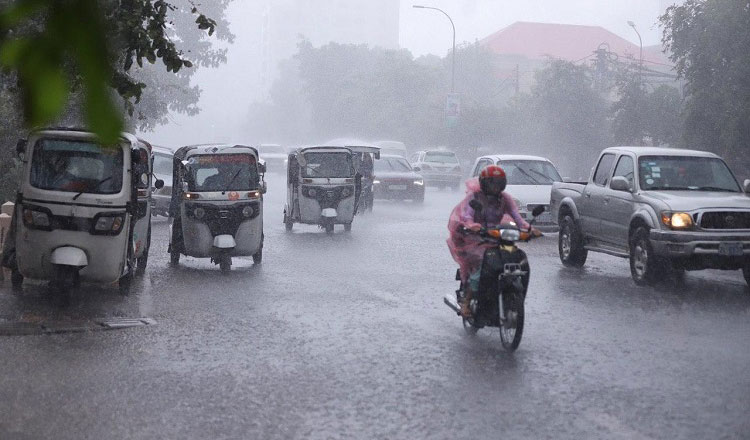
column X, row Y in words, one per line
column 468, row 250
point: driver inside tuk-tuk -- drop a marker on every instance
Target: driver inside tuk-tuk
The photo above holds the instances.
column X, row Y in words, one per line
column 221, row 180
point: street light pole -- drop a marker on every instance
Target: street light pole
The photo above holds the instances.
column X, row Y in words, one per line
column 640, row 60
column 453, row 68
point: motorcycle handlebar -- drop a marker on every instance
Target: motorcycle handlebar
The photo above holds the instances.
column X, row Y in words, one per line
column 488, row 233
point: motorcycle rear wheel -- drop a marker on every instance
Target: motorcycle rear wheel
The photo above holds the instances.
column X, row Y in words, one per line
column 511, row 337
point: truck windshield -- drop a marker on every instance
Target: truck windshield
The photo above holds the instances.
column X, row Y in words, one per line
column 76, row 166
column 223, row 172
column 328, row 165
column 685, row 173
column 440, row 157
column 390, row 164
column 530, row 172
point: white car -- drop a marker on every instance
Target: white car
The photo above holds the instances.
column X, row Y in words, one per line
column 530, row 181
column 394, row 148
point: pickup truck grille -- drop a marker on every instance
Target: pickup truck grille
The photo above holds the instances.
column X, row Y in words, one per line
column 725, row 220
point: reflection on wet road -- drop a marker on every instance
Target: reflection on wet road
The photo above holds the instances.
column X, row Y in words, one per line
column 346, row 336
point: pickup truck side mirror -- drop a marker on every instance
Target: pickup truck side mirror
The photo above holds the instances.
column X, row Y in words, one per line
column 620, row 183
column 747, row 185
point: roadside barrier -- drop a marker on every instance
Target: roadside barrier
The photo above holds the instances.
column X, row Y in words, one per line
column 6, row 215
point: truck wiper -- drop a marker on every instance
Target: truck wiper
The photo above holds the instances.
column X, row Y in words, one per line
column 543, row 175
column 98, row 184
column 528, row 175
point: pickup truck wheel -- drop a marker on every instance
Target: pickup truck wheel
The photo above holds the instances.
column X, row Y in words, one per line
column 570, row 244
column 644, row 265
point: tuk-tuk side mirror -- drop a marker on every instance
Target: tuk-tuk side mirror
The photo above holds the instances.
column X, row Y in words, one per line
column 158, row 184
column 261, row 167
column 21, row 148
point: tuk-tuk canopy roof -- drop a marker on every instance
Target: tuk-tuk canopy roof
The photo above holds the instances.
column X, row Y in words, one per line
column 353, row 145
column 193, row 150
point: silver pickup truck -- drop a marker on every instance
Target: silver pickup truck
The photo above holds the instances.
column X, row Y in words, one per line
column 667, row 210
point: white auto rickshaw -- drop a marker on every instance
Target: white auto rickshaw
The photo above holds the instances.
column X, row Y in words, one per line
column 83, row 210
column 217, row 204
column 323, row 186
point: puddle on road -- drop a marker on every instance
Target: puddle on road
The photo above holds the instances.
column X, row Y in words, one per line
column 34, row 310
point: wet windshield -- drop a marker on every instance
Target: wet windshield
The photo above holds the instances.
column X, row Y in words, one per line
column 440, row 157
column 223, row 172
column 685, row 173
column 328, row 165
column 390, row 164
column 76, row 166
column 530, row 172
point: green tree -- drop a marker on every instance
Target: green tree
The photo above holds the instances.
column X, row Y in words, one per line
column 708, row 40
column 58, row 47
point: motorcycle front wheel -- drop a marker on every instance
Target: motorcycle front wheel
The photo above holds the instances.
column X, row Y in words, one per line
column 511, row 329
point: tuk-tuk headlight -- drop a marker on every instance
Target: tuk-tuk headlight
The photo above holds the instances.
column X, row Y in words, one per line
column 199, row 213
column 346, row 192
column 35, row 218
column 312, row 192
column 248, row 211
column 108, row 224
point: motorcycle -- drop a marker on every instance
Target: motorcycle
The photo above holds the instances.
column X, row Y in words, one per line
column 501, row 303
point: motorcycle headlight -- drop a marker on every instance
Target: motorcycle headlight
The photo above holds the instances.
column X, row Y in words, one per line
column 419, row 182
column 510, row 234
column 248, row 211
column 199, row 213
column 677, row 220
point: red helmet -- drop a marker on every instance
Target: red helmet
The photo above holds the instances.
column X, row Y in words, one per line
column 492, row 180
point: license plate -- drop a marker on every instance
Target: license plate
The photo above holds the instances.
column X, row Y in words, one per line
column 397, row 187
column 731, row 249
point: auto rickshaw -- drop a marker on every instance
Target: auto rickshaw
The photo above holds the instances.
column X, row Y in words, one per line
column 82, row 209
column 323, row 186
column 217, row 204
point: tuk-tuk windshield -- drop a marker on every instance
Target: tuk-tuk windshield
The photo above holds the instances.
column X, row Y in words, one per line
column 76, row 166
column 223, row 172
column 328, row 165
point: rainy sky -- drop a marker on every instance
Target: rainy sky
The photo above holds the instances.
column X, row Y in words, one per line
column 229, row 90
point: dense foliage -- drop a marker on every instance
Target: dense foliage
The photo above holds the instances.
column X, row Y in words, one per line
column 709, row 40
column 107, row 64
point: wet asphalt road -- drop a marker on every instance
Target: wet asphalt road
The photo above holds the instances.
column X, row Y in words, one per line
column 347, row 337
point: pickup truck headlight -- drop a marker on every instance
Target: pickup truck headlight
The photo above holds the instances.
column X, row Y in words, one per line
column 677, row 220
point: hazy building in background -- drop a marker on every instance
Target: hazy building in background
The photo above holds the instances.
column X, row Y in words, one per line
column 287, row 22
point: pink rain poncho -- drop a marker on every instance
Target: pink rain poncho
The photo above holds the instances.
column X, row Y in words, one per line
column 468, row 250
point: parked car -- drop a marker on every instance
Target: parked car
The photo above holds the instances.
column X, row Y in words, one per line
column 162, row 167
column 530, row 180
column 392, row 148
column 664, row 209
column 275, row 157
column 396, row 180
column 439, row 168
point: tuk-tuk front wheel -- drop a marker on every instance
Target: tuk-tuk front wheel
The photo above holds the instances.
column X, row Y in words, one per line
column 64, row 279
column 225, row 264
column 348, row 227
column 329, row 228
column 16, row 279
column 288, row 226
